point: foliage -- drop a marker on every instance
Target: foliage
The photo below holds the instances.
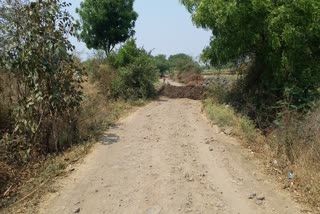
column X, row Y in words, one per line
column 221, row 115
column 6, row 94
column 106, row 23
column 98, row 110
column 225, row 116
column 279, row 38
column 126, row 55
column 184, row 69
column 183, row 63
column 162, row 64
column 37, row 53
column 137, row 72
column 128, row 73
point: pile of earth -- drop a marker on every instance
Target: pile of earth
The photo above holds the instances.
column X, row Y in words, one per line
column 191, row 92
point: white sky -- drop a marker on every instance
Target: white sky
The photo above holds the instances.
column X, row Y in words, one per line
column 163, row 26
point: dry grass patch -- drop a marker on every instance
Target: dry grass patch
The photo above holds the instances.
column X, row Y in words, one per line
column 99, row 112
column 26, row 184
column 296, row 147
column 292, row 147
column 37, row 179
column 224, row 116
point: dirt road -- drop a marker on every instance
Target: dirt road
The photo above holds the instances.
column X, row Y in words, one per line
column 166, row 158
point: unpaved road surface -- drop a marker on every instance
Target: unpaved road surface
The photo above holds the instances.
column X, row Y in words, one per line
column 166, row 158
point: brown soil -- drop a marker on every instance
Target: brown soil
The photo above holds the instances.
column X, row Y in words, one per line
column 168, row 158
column 191, row 92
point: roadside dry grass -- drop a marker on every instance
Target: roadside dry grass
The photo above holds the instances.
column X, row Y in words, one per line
column 98, row 113
column 225, row 117
column 292, row 147
column 25, row 197
column 296, row 147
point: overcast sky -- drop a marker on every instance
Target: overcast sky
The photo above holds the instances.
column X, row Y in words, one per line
column 163, row 26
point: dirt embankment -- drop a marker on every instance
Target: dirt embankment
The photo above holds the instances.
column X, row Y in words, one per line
column 191, row 92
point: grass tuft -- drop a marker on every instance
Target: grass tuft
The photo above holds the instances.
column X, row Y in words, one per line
column 225, row 116
column 219, row 114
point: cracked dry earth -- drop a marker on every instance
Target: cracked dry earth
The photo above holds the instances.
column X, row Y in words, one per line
column 167, row 158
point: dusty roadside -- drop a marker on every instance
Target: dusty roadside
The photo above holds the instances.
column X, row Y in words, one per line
column 167, row 158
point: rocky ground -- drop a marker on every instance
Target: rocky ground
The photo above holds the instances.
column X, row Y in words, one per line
column 168, row 158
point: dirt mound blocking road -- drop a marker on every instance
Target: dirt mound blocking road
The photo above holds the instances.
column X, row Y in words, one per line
column 191, row 92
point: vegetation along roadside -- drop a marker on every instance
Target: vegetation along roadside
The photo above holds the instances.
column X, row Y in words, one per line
column 53, row 105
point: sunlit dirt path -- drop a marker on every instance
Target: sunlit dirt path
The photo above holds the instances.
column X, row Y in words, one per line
column 167, row 158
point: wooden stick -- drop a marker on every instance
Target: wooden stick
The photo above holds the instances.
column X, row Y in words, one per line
column 29, row 194
column 7, row 191
column 22, row 199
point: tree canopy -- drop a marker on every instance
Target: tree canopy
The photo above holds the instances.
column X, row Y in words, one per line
column 162, row 64
column 106, row 23
column 280, row 38
column 182, row 62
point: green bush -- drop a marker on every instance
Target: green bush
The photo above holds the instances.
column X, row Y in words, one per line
column 181, row 63
column 129, row 73
column 137, row 73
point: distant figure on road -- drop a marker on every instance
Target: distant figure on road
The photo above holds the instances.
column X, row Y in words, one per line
column 164, row 79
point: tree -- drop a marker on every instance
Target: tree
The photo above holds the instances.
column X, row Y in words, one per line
column 137, row 72
column 162, row 64
column 183, row 63
column 280, row 38
column 106, row 23
column 37, row 53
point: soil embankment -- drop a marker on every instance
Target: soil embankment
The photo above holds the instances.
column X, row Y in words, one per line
column 191, row 92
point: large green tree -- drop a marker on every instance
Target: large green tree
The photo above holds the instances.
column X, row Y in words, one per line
column 280, row 38
column 106, row 23
column 36, row 52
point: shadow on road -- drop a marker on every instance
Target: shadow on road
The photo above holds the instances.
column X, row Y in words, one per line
column 109, row 139
column 162, row 100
